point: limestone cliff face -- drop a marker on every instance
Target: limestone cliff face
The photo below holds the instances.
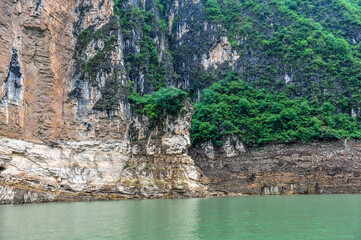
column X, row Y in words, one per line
column 144, row 167
column 63, row 135
column 37, row 46
column 281, row 169
column 66, row 67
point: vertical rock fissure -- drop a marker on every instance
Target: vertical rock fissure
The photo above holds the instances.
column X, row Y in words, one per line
column 38, row 4
column 13, row 82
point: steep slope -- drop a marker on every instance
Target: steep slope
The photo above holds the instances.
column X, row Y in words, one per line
column 65, row 91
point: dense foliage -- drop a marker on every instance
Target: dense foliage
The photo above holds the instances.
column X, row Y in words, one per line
column 232, row 106
column 166, row 101
column 300, row 68
column 316, row 43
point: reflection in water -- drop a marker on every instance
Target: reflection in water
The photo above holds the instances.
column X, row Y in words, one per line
column 278, row 217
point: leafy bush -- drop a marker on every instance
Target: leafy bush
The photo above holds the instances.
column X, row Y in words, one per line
column 167, row 101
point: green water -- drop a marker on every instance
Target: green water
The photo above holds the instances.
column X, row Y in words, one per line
column 276, row 217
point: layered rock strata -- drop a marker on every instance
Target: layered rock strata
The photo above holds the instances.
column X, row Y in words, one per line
column 282, row 169
column 145, row 167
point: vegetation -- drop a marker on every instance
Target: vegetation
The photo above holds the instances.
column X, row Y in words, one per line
column 166, row 101
column 257, row 116
column 299, row 77
column 314, row 42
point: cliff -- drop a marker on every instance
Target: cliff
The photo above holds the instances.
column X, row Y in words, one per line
column 147, row 166
column 69, row 132
column 314, row 168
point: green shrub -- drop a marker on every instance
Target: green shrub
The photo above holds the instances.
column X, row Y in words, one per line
column 166, row 101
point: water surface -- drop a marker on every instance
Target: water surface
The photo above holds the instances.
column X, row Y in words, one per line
column 256, row 217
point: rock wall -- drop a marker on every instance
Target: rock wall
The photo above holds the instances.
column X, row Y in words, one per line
column 66, row 67
column 36, row 49
column 67, row 130
column 282, row 169
column 144, row 167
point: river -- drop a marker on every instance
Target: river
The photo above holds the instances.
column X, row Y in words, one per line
column 253, row 217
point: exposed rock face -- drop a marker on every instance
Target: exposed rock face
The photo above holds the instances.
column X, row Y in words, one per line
column 280, row 169
column 80, row 139
column 36, row 49
column 66, row 66
column 143, row 168
column 212, row 50
column 220, row 53
column 13, row 82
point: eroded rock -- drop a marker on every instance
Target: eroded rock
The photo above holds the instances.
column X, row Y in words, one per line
column 283, row 169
